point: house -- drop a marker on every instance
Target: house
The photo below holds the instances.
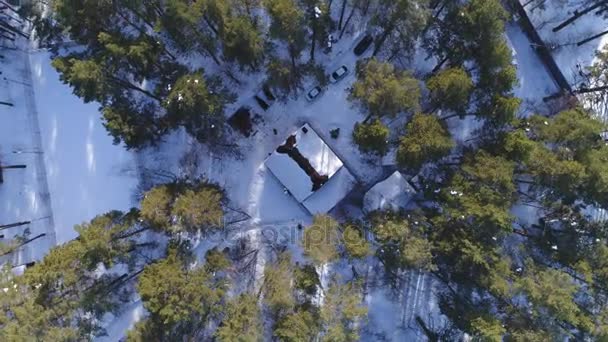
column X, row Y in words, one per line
column 310, row 171
column 393, row 193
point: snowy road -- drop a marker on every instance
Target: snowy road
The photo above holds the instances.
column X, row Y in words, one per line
column 24, row 195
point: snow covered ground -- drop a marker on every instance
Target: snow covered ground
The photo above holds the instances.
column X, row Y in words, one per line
column 569, row 57
column 73, row 171
column 534, row 81
column 87, row 174
column 24, row 195
column 247, row 182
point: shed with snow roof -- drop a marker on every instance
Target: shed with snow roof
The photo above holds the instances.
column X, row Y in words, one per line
column 393, row 193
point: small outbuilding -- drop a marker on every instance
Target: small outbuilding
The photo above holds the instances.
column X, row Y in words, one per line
column 393, row 193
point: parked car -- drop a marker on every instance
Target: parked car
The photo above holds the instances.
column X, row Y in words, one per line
column 313, row 93
column 363, row 45
column 268, row 93
column 265, row 98
column 339, row 74
column 263, row 104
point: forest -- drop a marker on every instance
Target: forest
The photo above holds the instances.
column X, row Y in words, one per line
column 156, row 67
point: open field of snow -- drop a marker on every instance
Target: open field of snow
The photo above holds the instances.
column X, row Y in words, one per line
column 73, row 171
column 87, row 174
column 24, row 195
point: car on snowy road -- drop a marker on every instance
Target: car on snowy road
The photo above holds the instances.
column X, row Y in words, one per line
column 265, row 98
column 339, row 74
column 313, row 93
column 363, row 45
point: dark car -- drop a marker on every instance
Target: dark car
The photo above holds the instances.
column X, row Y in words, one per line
column 269, row 95
column 363, row 44
column 263, row 104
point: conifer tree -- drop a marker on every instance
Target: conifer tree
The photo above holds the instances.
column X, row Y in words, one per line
column 384, row 91
column 355, row 244
column 321, row 240
column 341, row 312
column 197, row 104
column 242, row 321
column 300, row 326
column 277, row 287
column 287, row 25
column 199, row 208
column 371, row 137
column 243, row 42
column 180, row 301
column 450, row 89
column 156, row 206
column 426, row 140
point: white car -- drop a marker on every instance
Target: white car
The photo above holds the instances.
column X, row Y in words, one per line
column 339, row 74
column 313, row 93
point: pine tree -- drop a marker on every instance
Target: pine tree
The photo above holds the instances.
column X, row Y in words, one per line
column 96, row 80
column 287, row 25
column 143, row 331
column 243, row 42
column 554, row 291
column 403, row 245
column 181, row 20
column 319, row 21
column 300, row 326
column 21, row 318
column 61, row 298
column 450, row 89
column 198, row 104
column 321, row 240
column 281, row 77
column 199, row 208
column 277, row 288
column 354, row 243
column 341, row 312
column 242, row 322
column 216, row 260
column 84, row 20
column 573, row 129
column 426, row 140
column 179, row 301
column 406, row 17
column 180, row 207
column 135, row 127
column 483, row 191
column 488, row 329
column 307, row 279
column 384, row 91
column 500, row 110
column 371, row 137
column 156, row 206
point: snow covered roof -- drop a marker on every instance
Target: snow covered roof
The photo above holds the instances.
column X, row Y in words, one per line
column 295, row 162
column 392, row 193
column 331, row 193
column 310, row 170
